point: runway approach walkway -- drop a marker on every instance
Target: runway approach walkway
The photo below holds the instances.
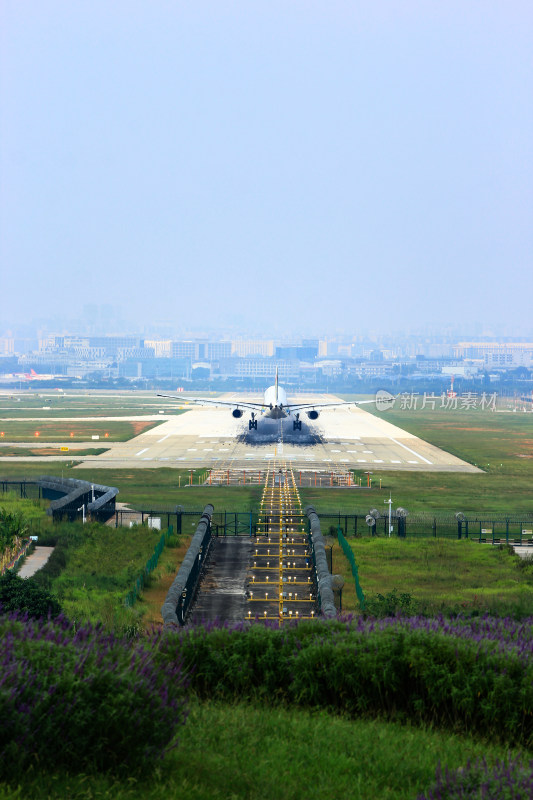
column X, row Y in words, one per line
column 280, row 585
column 267, row 576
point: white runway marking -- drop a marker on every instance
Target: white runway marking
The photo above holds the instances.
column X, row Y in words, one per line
column 163, row 439
column 411, row 451
column 142, row 451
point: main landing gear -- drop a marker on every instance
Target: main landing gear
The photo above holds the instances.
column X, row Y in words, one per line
column 297, row 423
column 252, row 423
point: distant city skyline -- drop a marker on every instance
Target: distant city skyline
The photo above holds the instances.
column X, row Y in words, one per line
column 276, row 170
column 105, row 319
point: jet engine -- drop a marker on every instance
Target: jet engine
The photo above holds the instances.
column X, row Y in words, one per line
column 237, row 412
column 313, row 414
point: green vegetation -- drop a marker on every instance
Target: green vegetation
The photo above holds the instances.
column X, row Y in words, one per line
column 30, row 509
column 146, row 488
column 17, row 594
column 262, row 753
column 472, row 677
column 93, row 567
column 21, row 452
column 440, row 575
column 71, row 431
column 73, row 695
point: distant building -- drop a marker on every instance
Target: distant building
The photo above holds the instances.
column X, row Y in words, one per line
column 252, row 347
column 7, row 346
column 507, row 355
column 162, row 347
column 297, row 352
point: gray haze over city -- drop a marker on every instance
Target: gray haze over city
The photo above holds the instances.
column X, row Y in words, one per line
column 274, row 169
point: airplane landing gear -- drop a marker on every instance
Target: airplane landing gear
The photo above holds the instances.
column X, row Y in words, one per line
column 297, row 423
column 252, row 423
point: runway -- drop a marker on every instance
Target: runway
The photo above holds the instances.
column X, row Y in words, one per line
column 346, row 437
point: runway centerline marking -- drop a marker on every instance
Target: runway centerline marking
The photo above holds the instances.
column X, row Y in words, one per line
column 163, row 439
column 142, row 451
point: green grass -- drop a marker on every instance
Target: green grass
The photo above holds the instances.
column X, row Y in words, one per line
column 440, row 574
column 50, row 451
column 32, row 509
column 145, row 488
column 69, row 431
column 266, row 753
column 99, row 573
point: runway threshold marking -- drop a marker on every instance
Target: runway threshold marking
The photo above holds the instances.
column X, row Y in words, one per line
column 411, row 451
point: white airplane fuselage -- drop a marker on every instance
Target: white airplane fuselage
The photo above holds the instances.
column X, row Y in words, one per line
column 275, row 400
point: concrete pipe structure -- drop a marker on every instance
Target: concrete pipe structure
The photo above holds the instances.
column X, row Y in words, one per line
column 325, row 589
column 185, row 582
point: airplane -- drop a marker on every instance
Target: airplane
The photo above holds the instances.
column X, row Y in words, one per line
column 275, row 405
column 31, row 376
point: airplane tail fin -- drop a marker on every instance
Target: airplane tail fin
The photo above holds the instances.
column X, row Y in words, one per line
column 33, row 373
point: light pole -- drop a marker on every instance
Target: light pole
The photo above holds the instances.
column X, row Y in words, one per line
column 389, row 503
column 82, row 509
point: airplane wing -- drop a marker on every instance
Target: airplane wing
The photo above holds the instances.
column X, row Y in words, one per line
column 382, row 398
column 205, row 401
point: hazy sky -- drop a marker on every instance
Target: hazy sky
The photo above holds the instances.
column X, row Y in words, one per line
column 275, row 166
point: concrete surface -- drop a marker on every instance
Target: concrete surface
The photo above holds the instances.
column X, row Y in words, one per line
column 35, row 561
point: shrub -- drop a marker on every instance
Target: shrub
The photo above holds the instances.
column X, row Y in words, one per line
column 13, row 525
column 83, row 698
column 23, row 595
column 509, row 780
column 391, row 604
column 471, row 676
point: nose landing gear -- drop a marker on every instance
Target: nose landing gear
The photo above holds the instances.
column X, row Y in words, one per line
column 252, row 423
column 297, row 423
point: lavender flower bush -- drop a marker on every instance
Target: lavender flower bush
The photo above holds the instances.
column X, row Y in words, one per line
column 467, row 675
column 506, row 780
column 83, row 698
